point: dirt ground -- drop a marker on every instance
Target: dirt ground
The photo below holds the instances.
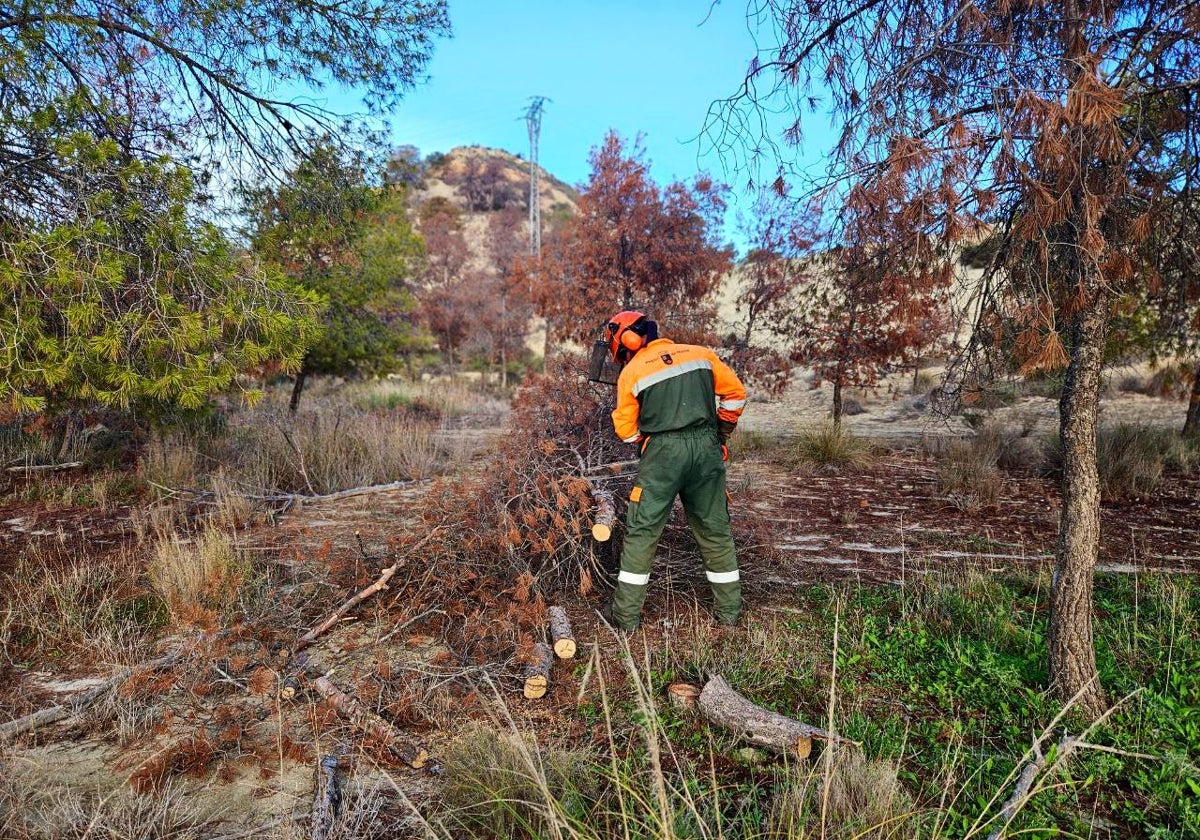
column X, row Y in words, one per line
column 880, row 524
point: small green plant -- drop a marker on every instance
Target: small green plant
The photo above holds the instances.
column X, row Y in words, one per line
column 832, row 445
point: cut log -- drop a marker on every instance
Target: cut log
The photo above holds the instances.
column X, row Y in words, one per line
column 723, row 706
column 327, row 798
column 363, row 718
column 682, row 695
column 537, row 675
column 560, row 631
column 606, row 515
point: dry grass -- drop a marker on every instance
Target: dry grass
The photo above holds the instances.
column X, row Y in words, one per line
column 497, row 784
column 1132, row 458
column 969, row 475
column 203, row 573
column 33, row 811
column 329, row 445
column 55, row 608
column 846, row 796
column 831, row 445
column 324, row 451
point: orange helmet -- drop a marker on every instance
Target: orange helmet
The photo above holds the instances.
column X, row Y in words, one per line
column 626, row 333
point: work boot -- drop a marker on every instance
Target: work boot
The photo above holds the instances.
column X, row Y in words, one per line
column 726, row 620
column 607, row 615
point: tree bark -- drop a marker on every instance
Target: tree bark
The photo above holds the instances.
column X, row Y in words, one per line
column 560, row 631
column 1191, row 426
column 837, row 399
column 1072, row 648
column 364, row 719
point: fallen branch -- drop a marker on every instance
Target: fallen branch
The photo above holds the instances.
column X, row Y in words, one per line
column 1025, row 781
column 721, row 705
column 327, row 798
column 363, row 718
column 614, row 468
column 54, row 714
column 379, row 585
column 40, row 468
column 560, row 631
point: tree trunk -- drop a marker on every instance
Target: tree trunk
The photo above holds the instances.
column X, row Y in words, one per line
column 606, row 514
column 1191, row 426
column 1072, row 648
column 837, row 399
column 297, row 390
column 503, row 341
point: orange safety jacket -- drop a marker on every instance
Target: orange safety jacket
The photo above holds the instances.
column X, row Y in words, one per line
column 668, row 386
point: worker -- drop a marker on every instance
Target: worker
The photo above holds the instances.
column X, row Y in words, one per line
column 679, row 403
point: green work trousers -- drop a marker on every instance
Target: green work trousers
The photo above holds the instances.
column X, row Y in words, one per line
column 686, row 463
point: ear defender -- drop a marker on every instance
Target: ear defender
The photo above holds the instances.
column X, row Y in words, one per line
column 631, row 341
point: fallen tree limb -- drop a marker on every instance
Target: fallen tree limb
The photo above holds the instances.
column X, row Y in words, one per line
column 54, row 714
column 560, row 631
column 363, row 718
column 340, row 494
column 614, row 467
column 379, row 585
column 327, row 798
column 41, row 468
column 721, row 705
column 1025, row 782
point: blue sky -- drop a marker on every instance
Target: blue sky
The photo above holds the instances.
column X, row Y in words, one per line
column 630, row 65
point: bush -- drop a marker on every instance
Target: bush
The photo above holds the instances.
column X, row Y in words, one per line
column 831, row 445
column 969, row 474
column 1132, row 458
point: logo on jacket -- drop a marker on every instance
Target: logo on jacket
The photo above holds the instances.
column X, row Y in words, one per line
column 667, row 360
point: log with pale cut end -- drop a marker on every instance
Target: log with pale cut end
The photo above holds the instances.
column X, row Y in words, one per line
column 723, row 706
column 537, row 675
column 560, row 631
column 606, row 515
column 683, row 695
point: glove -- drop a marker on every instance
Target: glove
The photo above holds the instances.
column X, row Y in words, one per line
column 724, row 452
column 724, row 430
